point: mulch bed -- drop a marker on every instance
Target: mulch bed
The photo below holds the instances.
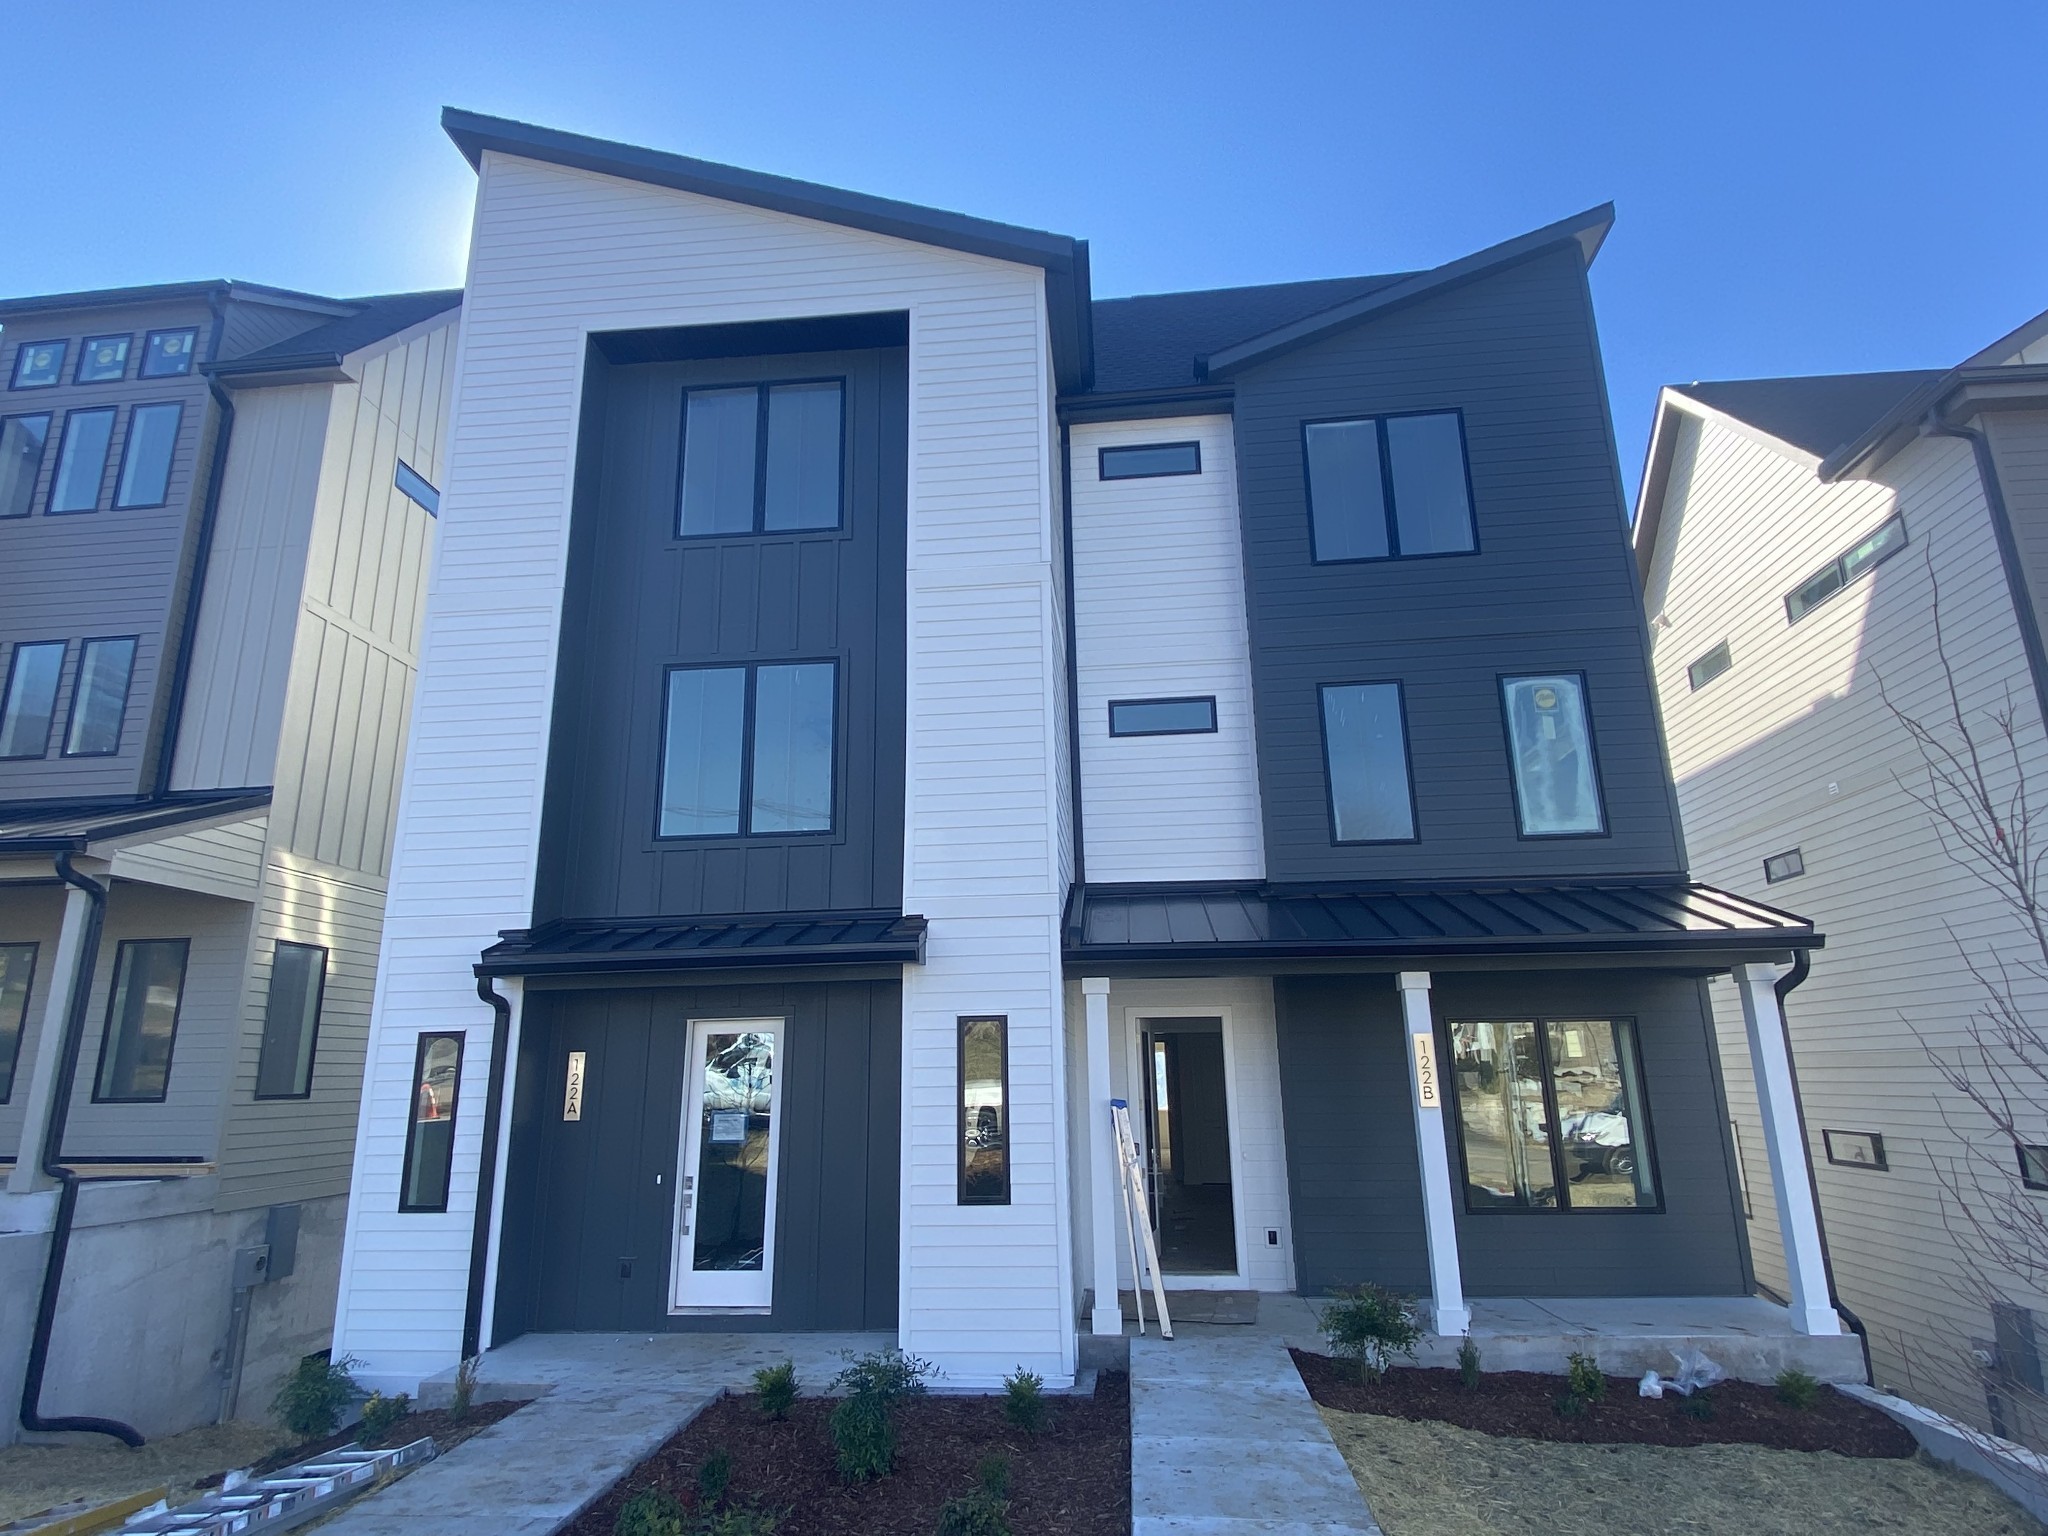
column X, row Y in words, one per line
column 1073, row 1479
column 1523, row 1405
column 446, row 1430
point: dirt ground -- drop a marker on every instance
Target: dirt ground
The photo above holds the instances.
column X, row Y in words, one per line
column 1435, row 1480
column 33, row 1478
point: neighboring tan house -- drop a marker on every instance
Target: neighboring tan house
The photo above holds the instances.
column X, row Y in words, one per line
column 878, row 704
column 1791, row 535
column 216, row 523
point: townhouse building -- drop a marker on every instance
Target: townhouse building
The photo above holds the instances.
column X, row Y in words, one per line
column 879, row 705
column 1832, row 563
column 216, row 517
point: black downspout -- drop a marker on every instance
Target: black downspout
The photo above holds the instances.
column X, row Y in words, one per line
column 67, row 1197
column 2008, row 553
column 1073, row 656
column 209, row 513
column 1802, row 963
column 487, row 1170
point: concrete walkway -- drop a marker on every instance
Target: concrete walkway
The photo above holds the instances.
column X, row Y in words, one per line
column 602, row 1403
column 1225, row 1441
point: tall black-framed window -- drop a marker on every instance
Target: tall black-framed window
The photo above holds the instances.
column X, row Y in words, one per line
column 17, row 982
column 22, row 440
column 103, row 360
column 82, row 460
column 985, row 1110
column 749, row 750
column 168, row 354
column 1146, row 461
column 1552, row 1116
column 1388, row 487
column 39, row 364
column 762, row 458
column 1365, row 763
column 291, row 1021
column 430, row 1122
column 1550, row 753
column 29, row 706
column 142, row 1021
column 145, row 478
column 99, row 699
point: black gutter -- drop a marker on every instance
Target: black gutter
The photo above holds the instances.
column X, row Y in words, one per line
column 67, row 1198
column 195, row 589
column 487, row 1170
column 1802, row 962
column 2008, row 553
column 1378, row 949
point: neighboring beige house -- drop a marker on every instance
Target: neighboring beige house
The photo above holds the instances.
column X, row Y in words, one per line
column 1791, row 535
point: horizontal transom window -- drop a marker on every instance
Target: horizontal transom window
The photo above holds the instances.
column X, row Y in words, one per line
column 1161, row 717
column 1143, row 461
column 748, row 750
column 1709, row 666
column 1383, row 487
column 1823, row 584
column 762, row 458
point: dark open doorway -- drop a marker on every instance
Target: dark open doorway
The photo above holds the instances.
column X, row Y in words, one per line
column 1187, row 1131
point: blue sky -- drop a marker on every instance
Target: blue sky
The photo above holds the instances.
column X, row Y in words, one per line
column 1802, row 188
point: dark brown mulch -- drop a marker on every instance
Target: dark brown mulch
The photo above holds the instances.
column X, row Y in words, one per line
column 1523, row 1405
column 1073, row 1479
column 446, row 1430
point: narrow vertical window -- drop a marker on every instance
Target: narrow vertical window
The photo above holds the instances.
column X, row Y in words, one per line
column 168, row 354
column 804, row 435
column 21, row 460
column 792, row 761
column 430, row 1126
column 142, row 1021
column 146, row 460
column 1365, row 752
column 1557, row 790
column 1501, row 1118
column 17, row 976
column 1597, row 1092
column 719, row 432
column 82, row 461
column 30, row 703
column 703, row 731
column 1346, row 491
column 291, row 1021
column 1426, row 465
column 100, row 698
column 984, row 1111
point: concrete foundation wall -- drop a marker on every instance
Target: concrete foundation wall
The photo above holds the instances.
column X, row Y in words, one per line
column 143, row 1318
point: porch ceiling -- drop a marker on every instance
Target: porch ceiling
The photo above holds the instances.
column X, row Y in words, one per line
column 1273, row 924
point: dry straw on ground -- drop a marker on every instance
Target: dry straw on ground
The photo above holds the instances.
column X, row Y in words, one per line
column 33, row 1478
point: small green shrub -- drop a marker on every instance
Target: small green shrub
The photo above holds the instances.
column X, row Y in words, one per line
column 1571, row 1406
column 994, row 1473
column 714, row 1477
column 650, row 1512
column 739, row 1522
column 984, row 1512
column 1582, row 1378
column 1468, row 1364
column 886, row 1374
column 1024, row 1401
column 1370, row 1324
column 465, row 1388
column 310, row 1402
column 1796, row 1389
column 775, row 1385
column 380, row 1416
column 864, row 1435
column 1700, row 1405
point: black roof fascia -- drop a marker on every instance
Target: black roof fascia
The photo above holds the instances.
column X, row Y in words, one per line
column 1145, row 404
column 1587, row 230
column 1063, row 258
column 527, row 952
column 165, row 293
column 119, row 820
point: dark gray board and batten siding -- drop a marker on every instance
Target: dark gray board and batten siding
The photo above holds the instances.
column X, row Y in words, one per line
column 1355, row 1183
column 1551, row 588
column 640, row 599
column 582, row 1197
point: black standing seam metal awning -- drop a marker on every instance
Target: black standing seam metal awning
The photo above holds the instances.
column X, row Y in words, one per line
column 706, row 943
column 1297, row 922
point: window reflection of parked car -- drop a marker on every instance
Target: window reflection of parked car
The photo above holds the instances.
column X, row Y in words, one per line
column 437, row 1092
column 1601, row 1139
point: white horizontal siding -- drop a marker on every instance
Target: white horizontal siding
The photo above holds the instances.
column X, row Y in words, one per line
column 1159, row 613
column 556, row 254
column 1796, row 747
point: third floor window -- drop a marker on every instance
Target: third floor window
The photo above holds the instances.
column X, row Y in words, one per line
column 764, row 458
column 1387, row 487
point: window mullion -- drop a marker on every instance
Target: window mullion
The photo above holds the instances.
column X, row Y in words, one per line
column 753, row 672
column 1387, row 489
column 1550, row 1115
column 760, row 464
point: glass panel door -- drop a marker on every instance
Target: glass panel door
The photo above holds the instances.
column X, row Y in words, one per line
column 725, row 1199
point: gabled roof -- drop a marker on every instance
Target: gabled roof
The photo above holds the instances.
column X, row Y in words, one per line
column 1586, row 230
column 324, row 346
column 1063, row 259
column 166, row 293
column 1817, row 414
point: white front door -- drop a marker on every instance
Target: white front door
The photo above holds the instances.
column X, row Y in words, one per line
column 725, row 1195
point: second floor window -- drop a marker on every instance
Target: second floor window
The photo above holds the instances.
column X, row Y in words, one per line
column 291, row 1021
column 21, row 460
column 100, row 697
column 17, row 976
column 1384, row 487
column 1550, row 745
column 146, row 460
column 30, row 702
column 748, row 750
column 142, row 1021
column 1365, row 751
column 82, row 461
column 761, row 459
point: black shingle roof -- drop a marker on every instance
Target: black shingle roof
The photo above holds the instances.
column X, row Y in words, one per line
column 1819, row 414
column 60, row 826
column 379, row 316
column 1151, row 341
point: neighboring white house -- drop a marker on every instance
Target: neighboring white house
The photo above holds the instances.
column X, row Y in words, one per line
column 1792, row 535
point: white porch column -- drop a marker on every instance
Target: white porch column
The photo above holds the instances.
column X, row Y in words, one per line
column 1107, row 1316
column 1798, row 1222
column 27, row 1174
column 1446, row 1282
